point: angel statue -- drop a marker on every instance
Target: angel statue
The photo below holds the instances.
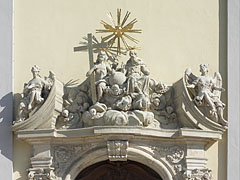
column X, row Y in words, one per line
column 206, row 92
column 35, row 93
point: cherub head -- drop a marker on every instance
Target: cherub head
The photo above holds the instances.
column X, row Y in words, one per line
column 65, row 113
column 156, row 102
column 115, row 90
column 93, row 112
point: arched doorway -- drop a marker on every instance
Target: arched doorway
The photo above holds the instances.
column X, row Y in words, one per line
column 118, row 170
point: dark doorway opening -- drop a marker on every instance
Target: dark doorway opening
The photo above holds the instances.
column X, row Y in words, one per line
column 118, row 170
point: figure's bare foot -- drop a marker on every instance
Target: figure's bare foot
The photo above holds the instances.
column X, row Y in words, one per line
column 29, row 107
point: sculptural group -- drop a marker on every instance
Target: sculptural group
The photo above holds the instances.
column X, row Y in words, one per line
column 126, row 96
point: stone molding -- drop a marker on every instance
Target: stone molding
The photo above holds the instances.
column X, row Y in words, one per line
column 63, row 153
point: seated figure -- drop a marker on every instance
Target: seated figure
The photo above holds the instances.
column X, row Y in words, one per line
column 137, row 75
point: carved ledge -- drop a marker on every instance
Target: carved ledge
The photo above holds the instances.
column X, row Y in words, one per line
column 46, row 115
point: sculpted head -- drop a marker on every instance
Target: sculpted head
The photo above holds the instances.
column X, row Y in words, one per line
column 132, row 53
column 115, row 89
column 204, row 68
column 35, row 70
column 102, row 56
column 65, row 113
column 93, row 112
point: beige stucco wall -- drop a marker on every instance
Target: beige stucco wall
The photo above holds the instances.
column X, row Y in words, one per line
column 176, row 34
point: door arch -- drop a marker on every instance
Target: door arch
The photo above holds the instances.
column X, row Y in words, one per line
column 118, row 170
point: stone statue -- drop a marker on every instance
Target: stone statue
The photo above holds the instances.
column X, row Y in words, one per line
column 35, row 93
column 101, row 69
column 67, row 120
column 137, row 74
column 207, row 92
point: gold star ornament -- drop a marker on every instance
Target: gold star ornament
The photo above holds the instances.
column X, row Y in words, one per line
column 119, row 31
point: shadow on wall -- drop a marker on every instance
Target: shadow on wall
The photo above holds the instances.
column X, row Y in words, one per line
column 6, row 114
column 222, row 145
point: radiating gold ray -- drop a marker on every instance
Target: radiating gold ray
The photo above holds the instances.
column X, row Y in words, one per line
column 108, row 37
column 130, row 25
column 131, row 38
column 107, row 26
column 125, row 43
column 103, row 31
column 125, row 18
column 112, row 41
column 119, row 31
column 134, row 31
column 118, row 16
column 119, row 46
column 111, row 18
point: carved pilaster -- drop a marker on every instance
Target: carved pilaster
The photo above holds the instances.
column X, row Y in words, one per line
column 117, row 150
column 41, row 163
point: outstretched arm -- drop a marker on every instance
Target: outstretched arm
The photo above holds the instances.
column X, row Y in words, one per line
column 89, row 73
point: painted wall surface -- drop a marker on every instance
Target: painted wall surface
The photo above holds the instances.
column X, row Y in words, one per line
column 176, row 35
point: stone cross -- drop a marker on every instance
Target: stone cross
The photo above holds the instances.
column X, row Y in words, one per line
column 90, row 46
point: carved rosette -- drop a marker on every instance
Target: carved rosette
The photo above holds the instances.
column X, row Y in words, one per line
column 117, row 150
column 63, row 155
column 173, row 154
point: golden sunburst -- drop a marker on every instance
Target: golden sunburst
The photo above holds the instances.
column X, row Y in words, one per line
column 119, row 31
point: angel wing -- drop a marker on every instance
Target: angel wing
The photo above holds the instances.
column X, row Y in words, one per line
column 189, row 77
column 217, row 80
column 190, row 80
